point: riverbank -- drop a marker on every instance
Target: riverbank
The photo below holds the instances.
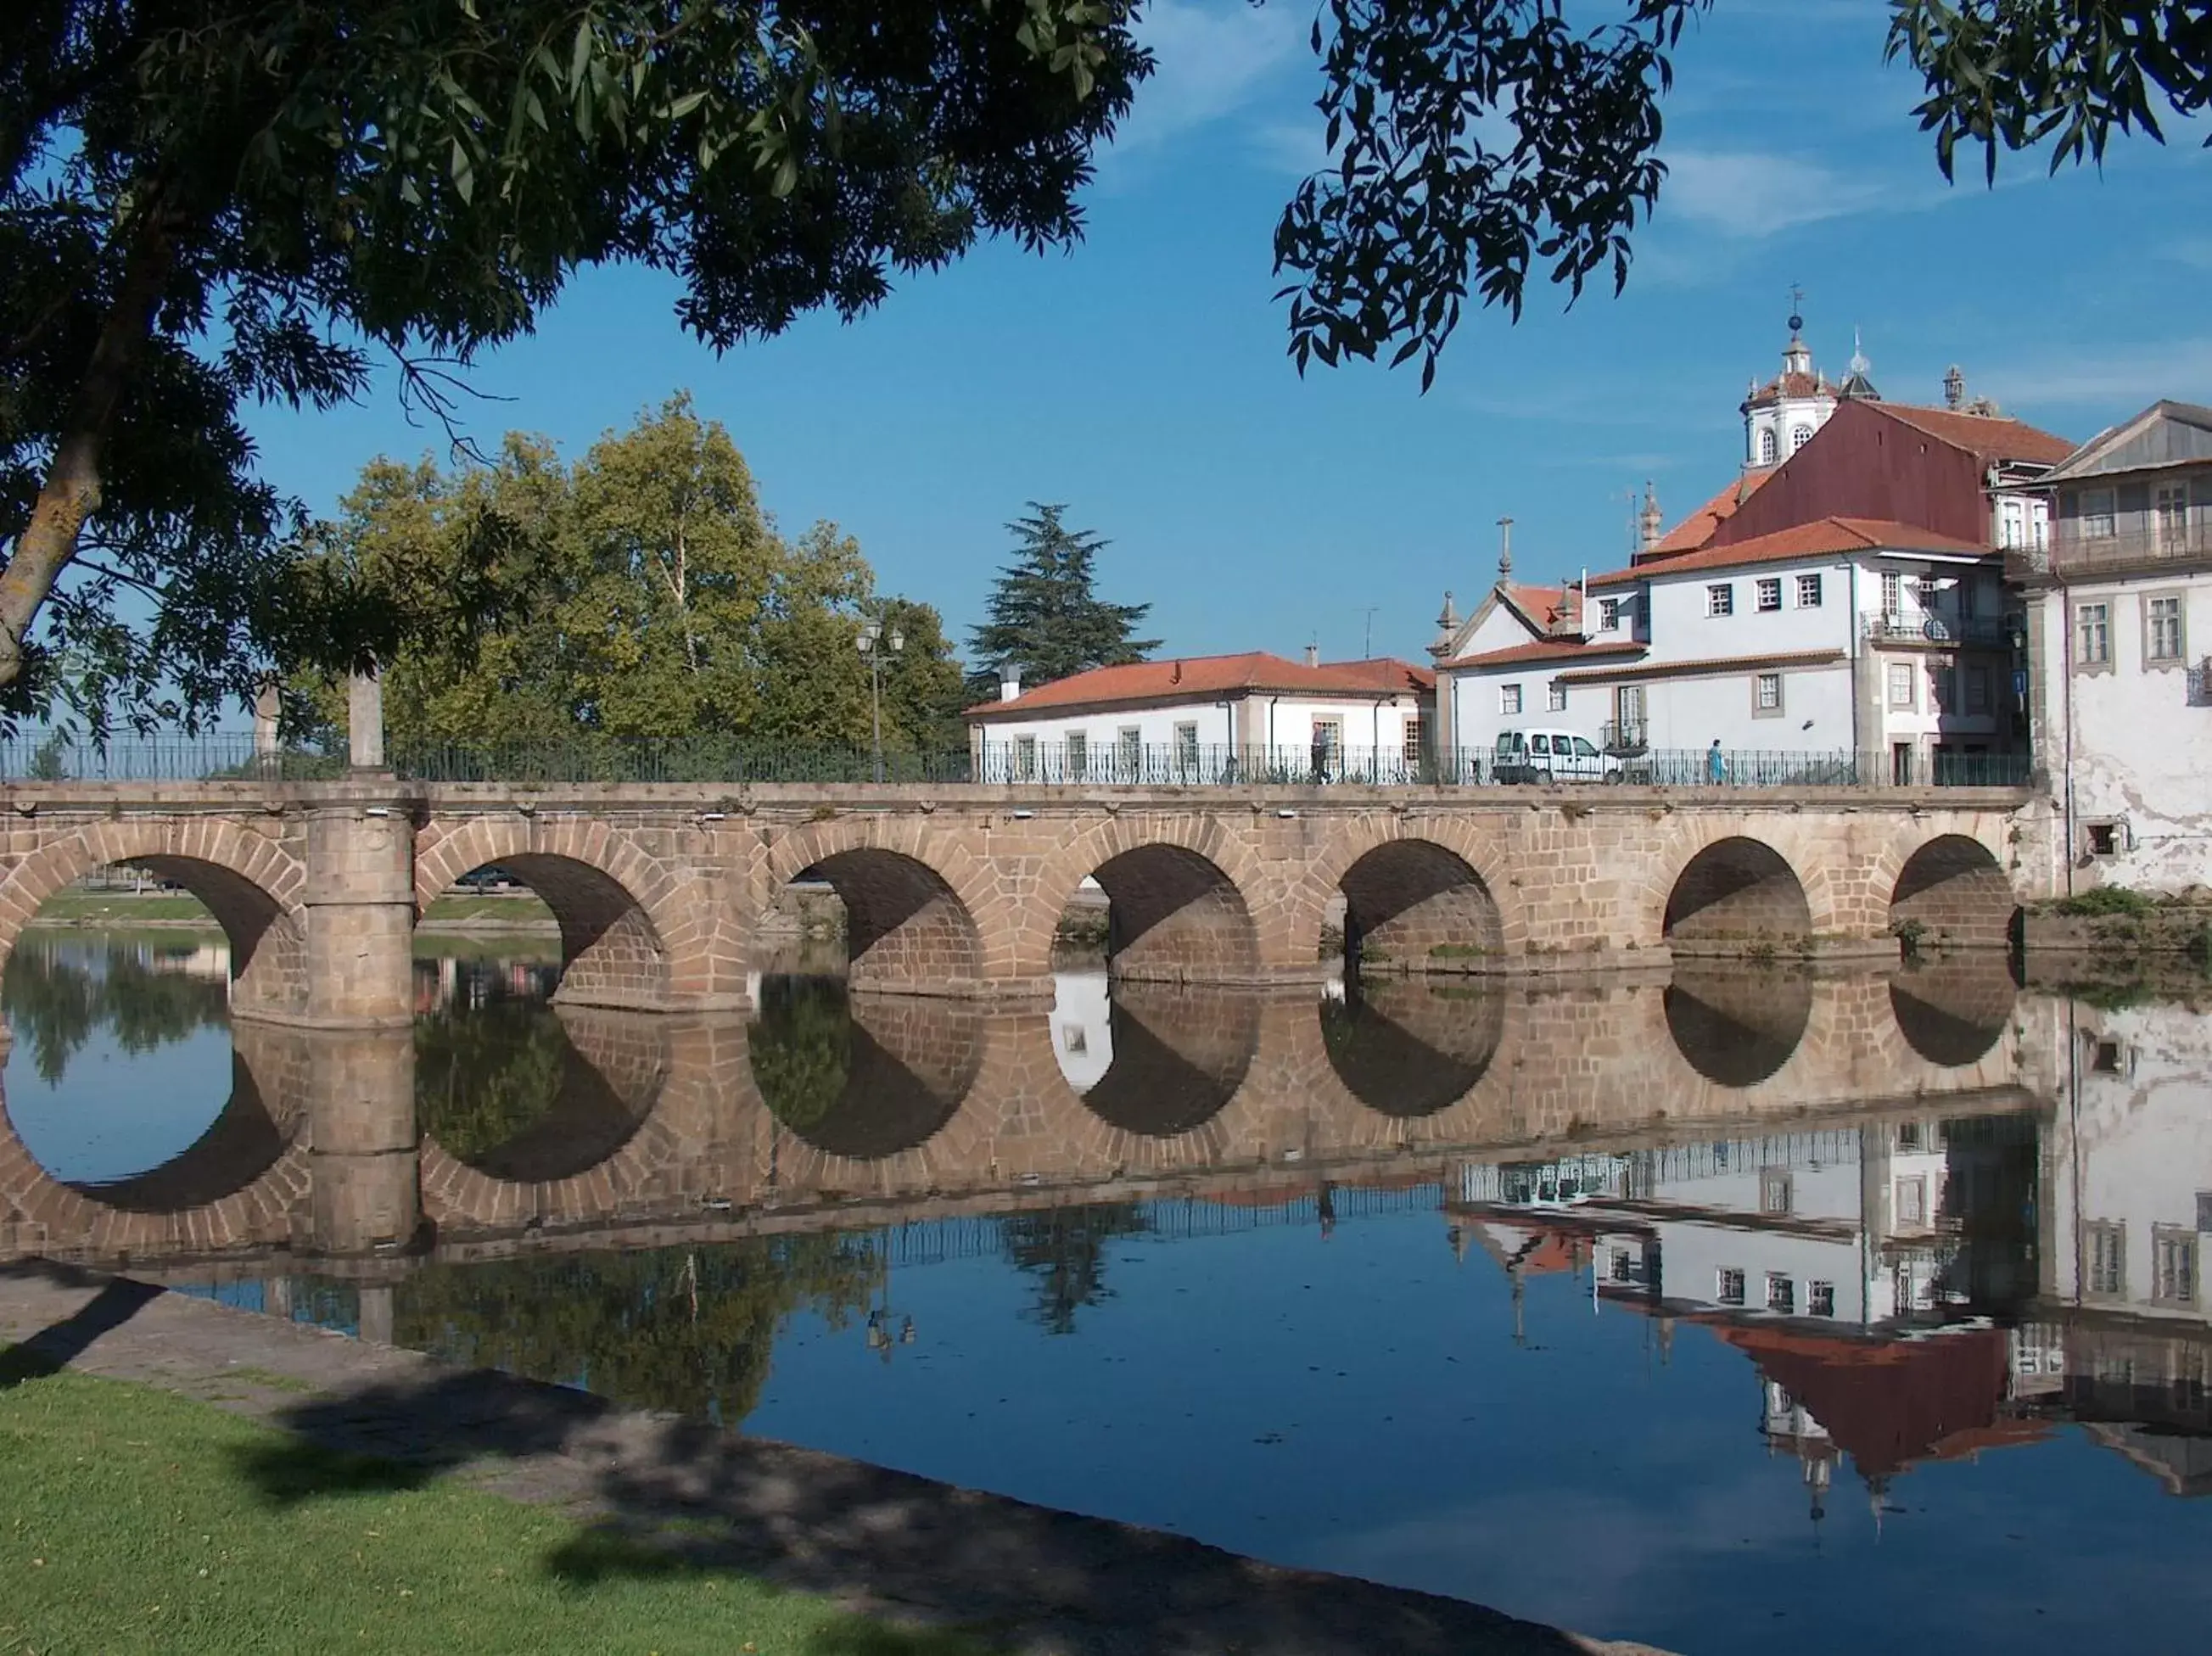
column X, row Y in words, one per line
column 406, row 1505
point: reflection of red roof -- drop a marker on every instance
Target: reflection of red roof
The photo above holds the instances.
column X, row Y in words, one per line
column 1199, row 677
column 1828, row 536
column 1549, row 650
column 1889, row 1403
column 1694, row 531
column 1536, row 1246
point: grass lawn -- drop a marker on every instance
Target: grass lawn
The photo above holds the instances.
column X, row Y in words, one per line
column 131, row 1520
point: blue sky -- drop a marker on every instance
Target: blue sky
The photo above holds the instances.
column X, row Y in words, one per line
column 1142, row 378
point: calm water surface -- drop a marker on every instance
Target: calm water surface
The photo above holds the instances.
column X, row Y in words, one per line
column 1724, row 1313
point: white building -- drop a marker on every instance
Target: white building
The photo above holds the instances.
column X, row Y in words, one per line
column 1211, row 718
column 2120, row 626
column 1840, row 612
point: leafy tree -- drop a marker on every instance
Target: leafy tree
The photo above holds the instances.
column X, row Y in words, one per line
column 1045, row 618
column 1430, row 201
column 209, row 205
column 1064, row 1249
column 643, row 592
column 55, row 999
column 690, row 1331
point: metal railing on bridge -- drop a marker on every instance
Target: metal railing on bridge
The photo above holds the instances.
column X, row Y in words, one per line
column 34, row 756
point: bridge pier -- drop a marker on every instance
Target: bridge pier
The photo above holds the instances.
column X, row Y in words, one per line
column 365, row 1189
column 359, row 901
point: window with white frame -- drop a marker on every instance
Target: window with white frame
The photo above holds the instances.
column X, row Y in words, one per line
column 2173, row 1265
column 1770, row 592
column 1781, row 1292
column 1728, row 1289
column 2171, row 513
column 1767, row 448
column 1509, row 698
column 1809, row 591
column 2096, row 514
column 2106, row 1252
column 1558, row 698
column 1820, row 1299
column 2162, row 640
column 2093, row 635
column 1776, row 1194
column 1767, row 695
column 1186, row 747
column 1893, row 593
column 1025, row 759
column 1608, row 615
column 1912, row 1201
column 1720, row 599
column 1799, row 436
column 1900, row 686
column 1075, row 751
column 1129, row 751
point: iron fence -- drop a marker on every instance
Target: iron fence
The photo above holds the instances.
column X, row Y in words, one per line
column 34, row 757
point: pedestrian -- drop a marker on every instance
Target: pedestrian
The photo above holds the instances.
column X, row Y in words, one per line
column 1715, row 767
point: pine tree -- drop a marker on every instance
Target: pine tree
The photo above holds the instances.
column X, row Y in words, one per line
column 1044, row 617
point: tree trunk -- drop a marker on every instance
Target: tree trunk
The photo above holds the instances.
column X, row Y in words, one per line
column 70, row 493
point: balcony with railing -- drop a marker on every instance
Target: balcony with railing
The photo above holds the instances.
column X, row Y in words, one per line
column 1934, row 627
column 2166, row 543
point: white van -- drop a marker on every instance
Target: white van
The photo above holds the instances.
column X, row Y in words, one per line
column 1552, row 756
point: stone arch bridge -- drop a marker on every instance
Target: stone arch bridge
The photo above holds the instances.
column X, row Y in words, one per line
column 661, row 891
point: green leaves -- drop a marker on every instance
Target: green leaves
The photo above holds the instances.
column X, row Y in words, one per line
column 1045, row 617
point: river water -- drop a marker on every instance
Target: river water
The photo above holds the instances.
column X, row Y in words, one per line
column 1727, row 1312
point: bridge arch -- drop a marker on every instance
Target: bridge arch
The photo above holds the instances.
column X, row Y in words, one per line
column 1952, row 1012
column 629, row 938
column 1734, row 894
column 250, row 882
column 236, row 1184
column 1412, row 1050
column 1737, row 1028
column 911, row 902
column 1180, row 1053
column 1952, row 892
column 592, row 1137
column 1177, row 907
column 861, row 1078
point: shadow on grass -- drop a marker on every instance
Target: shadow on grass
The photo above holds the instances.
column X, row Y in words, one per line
column 675, row 1497
column 54, row 1347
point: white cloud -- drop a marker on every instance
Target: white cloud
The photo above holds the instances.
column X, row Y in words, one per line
column 1213, row 57
column 2125, row 378
column 1748, row 194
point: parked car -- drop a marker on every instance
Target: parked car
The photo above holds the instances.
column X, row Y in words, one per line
column 489, row 878
column 1552, row 756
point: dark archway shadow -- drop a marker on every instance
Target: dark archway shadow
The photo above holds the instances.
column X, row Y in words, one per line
column 1736, row 893
column 505, row 1089
column 612, row 954
column 863, row 1077
column 1737, row 1027
column 1952, row 1010
column 1411, row 1049
column 1413, row 906
column 904, row 925
column 1180, row 1054
column 1173, row 914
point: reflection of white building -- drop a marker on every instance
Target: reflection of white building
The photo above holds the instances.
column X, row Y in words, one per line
column 1841, row 1226
column 1082, row 1027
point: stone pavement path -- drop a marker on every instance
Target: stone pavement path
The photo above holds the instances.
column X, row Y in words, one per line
column 880, row 1542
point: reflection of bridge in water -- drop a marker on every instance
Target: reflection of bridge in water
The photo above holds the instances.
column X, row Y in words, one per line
column 829, row 1110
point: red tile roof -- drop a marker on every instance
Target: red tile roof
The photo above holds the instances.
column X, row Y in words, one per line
column 1694, row 531
column 1825, row 537
column 1987, row 436
column 1549, row 650
column 1790, row 384
column 1539, row 606
column 1202, row 677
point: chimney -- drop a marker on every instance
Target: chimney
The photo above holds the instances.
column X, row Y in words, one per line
column 1954, row 387
column 1313, row 655
column 1010, row 681
column 1648, row 526
column 1175, row 677
column 1505, row 548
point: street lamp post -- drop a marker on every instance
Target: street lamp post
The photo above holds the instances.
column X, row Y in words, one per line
column 872, row 634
